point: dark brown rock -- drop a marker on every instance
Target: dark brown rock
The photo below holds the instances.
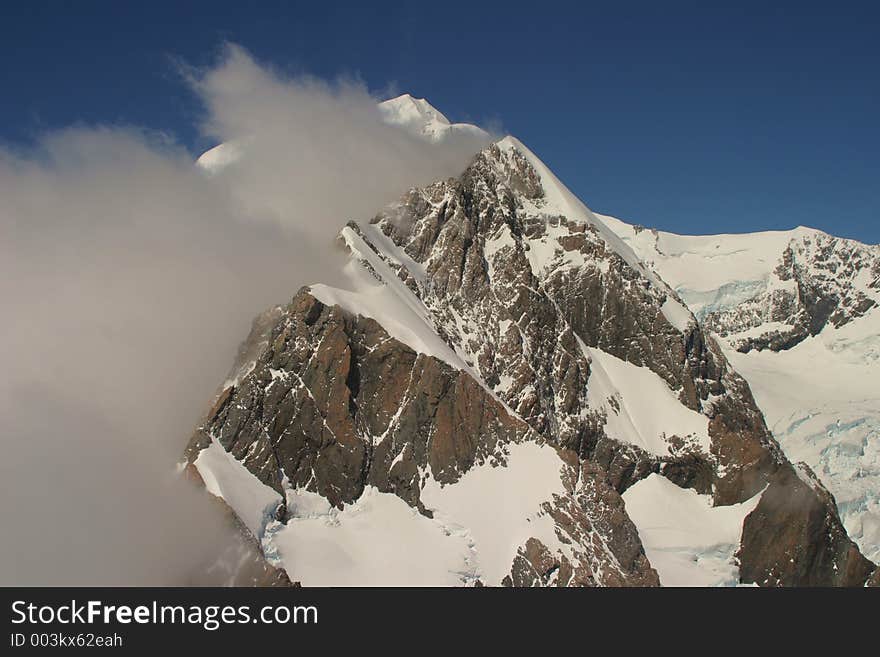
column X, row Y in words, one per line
column 794, row 537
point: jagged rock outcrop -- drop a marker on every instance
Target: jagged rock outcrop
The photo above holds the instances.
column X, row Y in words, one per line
column 820, row 281
column 592, row 520
column 519, row 319
column 334, row 404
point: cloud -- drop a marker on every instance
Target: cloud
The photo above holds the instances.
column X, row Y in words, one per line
column 316, row 153
column 128, row 277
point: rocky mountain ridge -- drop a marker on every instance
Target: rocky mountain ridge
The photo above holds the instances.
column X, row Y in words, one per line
column 499, row 337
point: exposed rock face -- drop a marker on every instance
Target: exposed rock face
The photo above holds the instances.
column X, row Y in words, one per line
column 517, row 292
column 593, row 521
column 333, row 403
column 519, row 320
column 795, row 538
column 820, row 281
column 519, row 282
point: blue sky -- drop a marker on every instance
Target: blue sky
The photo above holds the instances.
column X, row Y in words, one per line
column 683, row 116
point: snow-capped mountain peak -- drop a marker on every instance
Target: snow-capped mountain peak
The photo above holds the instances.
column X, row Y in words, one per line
column 511, row 387
column 414, row 115
column 556, row 200
column 419, row 117
column 405, row 109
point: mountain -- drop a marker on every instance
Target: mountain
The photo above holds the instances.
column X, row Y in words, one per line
column 796, row 313
column 419, row 117
column 508, row 392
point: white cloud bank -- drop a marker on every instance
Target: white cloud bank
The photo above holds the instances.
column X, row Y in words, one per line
column 127, row 279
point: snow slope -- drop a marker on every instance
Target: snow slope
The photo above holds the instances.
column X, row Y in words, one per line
column 498, row 507
column 640, row 408
column 688, row 541
column 419, row 117
column 378, row 541
column 226, row 478
column 479, row 523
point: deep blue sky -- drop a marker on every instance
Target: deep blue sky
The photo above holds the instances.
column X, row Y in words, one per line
column 683, row 116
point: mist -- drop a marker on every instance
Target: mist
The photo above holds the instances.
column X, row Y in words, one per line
column 128, row 277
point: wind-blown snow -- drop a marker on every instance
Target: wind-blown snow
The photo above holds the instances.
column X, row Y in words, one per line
column 687, row 540
column 639, row 406
column 219, row 157
column 227, row 478
column 415, row 115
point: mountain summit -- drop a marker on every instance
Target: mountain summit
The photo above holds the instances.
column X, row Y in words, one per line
column 513, row 390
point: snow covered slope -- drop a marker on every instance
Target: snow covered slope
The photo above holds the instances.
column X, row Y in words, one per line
column 797, row 314
column 419, row 117
column 689, row 542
